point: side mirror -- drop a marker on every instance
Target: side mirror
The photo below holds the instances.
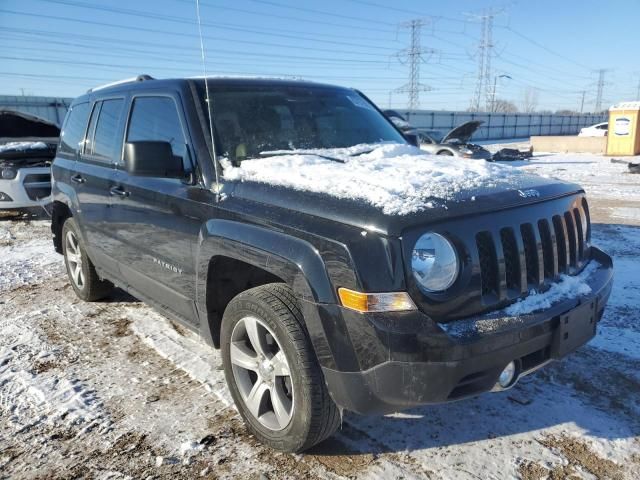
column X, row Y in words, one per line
column 412, row 138
column 152, row 159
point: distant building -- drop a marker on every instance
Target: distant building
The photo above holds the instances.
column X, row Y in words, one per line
column 49, row 108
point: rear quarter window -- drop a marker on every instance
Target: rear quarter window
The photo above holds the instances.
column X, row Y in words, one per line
column 73, row 130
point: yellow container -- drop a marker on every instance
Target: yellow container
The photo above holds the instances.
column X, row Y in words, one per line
column 623, row 137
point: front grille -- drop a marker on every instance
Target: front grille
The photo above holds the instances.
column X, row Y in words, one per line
column 37, row 185
column 516, row 259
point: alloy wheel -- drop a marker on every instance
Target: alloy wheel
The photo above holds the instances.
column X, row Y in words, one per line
column 262, row 374
column 73, row 256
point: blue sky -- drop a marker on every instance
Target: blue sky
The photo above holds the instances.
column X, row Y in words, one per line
column 63, row 47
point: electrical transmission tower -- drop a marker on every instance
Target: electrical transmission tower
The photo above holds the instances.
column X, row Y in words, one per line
column 485, row 47
column 485, row 53
column 601, row 74
column 414, row 56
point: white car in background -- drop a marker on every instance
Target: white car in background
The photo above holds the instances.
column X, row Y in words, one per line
column 27, row 148
column 597, row 130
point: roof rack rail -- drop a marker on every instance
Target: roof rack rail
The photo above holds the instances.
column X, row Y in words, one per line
column 139, row 78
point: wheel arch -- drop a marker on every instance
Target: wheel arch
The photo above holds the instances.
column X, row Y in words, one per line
column 446, row 151
column 266, row 256
column 59, row 213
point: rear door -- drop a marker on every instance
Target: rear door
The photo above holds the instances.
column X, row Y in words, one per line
column 95, row 175
column 157, row 220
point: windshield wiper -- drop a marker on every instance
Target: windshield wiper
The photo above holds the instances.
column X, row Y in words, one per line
column 308, row 154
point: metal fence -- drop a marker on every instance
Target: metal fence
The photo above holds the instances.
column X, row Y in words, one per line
column 499, row 126
column 49, row 108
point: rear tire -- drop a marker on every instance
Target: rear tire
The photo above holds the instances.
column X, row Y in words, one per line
column 81, row 272
column 292, row 409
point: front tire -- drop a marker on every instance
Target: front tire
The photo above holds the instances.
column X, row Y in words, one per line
column 81, row 272
column 272, row 372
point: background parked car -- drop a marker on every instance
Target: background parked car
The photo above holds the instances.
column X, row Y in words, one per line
column 597, row 130
column 453, row 143
column 27, row 148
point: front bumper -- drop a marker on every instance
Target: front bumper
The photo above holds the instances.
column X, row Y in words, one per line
column 30, row 188
column 430, row 363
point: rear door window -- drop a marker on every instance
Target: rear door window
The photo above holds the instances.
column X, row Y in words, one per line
column 106, row 142
column 72, row 135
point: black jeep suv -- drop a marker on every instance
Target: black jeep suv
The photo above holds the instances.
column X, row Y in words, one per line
column 336, row 265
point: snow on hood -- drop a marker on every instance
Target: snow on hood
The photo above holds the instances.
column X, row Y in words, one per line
column 22, row 146
column 399, row 179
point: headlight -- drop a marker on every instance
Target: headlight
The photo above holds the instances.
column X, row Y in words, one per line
column 466, row 151
column 8, row 174
column 434, row 262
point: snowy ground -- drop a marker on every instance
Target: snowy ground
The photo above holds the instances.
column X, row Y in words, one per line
column 114, row 390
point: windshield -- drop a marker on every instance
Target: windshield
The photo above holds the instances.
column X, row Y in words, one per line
column 253, row 120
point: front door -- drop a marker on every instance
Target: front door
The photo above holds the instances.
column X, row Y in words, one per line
column 157, row 220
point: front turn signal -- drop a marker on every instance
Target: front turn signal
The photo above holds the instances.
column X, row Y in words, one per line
column 376, row 302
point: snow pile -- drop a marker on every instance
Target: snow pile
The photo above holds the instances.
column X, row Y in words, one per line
column 399, row 179
column 567, row 287
column 21, row 146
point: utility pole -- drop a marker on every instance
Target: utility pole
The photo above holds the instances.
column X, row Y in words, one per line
column 414, row 56
column 598, row 106
column 584, row 92
column 485, row 46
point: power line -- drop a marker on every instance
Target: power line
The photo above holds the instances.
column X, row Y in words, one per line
column 246, row 42
column 320, row 12
column 238, row 52
column 296, row 35
column 288, row 17
column 544, row 47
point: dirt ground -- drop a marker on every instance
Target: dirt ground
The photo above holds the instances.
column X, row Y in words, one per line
column 114, row 390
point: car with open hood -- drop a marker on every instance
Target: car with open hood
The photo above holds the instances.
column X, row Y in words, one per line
column 27, row 148
column 336, row 265
column 455, row 142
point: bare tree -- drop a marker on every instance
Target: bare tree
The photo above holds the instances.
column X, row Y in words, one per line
column 504, row 106
column 530, row 100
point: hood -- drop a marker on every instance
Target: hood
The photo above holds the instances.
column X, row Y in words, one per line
column 17, row 125
column 387, row 190
column 462, row 132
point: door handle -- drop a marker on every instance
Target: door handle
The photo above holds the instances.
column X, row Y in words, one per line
column 77, row 178
column 119, row 191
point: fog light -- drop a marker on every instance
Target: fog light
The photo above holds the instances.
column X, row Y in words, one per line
column 507, row 376
column 5, row 198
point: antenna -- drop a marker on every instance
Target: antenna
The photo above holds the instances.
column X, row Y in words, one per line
column 208, row 100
